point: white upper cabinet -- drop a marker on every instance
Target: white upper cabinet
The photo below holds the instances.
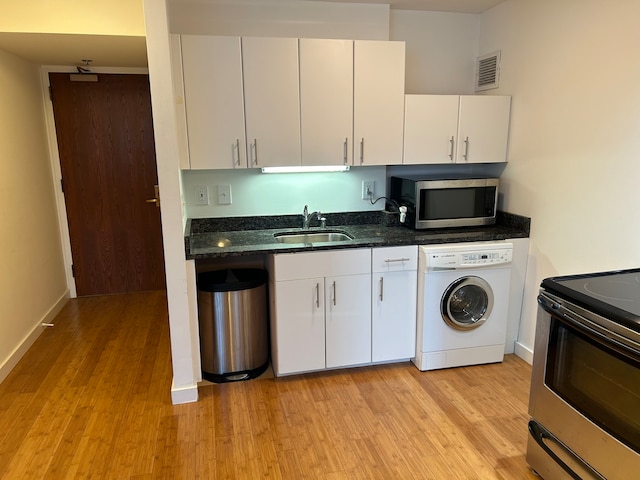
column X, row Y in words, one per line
column 272, row 100
column 269, row 101
column 456, row 129
column 483, row 128
column 326, row 101
column 430, row 128
column 378, row 107
column 212, row 75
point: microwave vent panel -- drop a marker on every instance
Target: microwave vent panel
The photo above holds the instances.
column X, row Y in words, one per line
column 488, row 71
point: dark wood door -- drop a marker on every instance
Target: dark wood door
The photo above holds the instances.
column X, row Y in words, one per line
column 107, row 157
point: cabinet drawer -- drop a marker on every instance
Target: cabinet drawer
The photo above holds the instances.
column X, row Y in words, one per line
column 394, row 259
column 291, row 266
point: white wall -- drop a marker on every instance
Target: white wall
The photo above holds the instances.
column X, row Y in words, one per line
column 441, row 50
column 92, row 17
column 32, row 281
column 280, row 18
column 180, row 274
column 573, row 69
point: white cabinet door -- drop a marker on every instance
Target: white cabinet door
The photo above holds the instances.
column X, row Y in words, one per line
column 378, row 107
column 483, row 128
column 348, row 320
column 326, row 101
column 272, row 101
column 212, row 73
column 311, row 316
column 394, row 316
column 456, row 129
column 430, row 128
column 300, row 335
column 394, row 301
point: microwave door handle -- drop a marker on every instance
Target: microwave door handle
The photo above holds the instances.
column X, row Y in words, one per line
column 540, row 434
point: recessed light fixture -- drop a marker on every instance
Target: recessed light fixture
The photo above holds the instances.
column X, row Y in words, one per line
column 306, row 169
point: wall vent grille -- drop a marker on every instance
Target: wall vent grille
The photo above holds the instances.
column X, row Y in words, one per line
column 488, row 71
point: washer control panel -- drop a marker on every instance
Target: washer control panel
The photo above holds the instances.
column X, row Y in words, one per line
column 454, row 257
column 486, row 258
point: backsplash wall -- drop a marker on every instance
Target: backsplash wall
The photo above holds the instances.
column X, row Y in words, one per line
column 257, row 193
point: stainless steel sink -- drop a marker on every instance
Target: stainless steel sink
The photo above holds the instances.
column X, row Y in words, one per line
column 312, row 237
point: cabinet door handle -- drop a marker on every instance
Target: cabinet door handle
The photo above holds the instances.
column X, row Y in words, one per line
column 451, row 142
column 392, row 260
column 334, row 293
column 255, row 152
column 381, row 289
column 237, row 152
column 317, row 295
column 346, row 143
column 361, row 151
column 466, row 149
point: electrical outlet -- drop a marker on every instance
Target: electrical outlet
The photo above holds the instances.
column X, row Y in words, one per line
column 202, row 195
column 368, row 189
column 224, row 194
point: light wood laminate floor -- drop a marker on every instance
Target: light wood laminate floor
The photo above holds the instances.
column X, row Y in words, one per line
column 91, row 399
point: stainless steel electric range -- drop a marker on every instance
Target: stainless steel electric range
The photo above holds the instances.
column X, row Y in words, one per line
column 585, row 384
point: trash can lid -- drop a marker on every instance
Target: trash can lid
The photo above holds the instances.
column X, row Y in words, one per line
column 231, row 279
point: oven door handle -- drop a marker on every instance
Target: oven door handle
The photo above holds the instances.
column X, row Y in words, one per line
column 540, row 434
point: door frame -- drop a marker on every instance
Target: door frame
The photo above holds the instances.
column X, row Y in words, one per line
column 54, row 158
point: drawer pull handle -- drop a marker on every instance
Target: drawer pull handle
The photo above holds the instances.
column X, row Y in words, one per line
column 317, row 295
column 392, row 260
column 381, row 289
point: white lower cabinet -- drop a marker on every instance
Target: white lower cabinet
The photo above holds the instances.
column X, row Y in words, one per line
column 320, row 310
column 348, row 320
column 298, row 338
column 394, row 294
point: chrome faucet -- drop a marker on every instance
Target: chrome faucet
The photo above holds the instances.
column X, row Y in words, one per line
column 306, row 217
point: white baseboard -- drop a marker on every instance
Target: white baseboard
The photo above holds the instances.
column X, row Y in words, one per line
column 13, row 359
column 524, row 353
column 186, row 394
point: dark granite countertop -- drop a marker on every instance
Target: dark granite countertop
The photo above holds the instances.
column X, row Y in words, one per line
column 240, row 236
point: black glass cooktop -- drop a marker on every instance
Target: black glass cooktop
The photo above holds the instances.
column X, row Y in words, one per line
column 614, row 295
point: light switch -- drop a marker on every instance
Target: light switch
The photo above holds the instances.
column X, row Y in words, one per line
column 224, row 194
column 202, row 195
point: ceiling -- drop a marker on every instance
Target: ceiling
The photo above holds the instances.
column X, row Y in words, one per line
column 130, row 51
column 457, row 6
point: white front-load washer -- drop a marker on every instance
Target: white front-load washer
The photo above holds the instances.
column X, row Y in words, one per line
column 463, row 300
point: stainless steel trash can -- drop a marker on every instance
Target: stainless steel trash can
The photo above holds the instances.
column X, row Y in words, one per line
column 234, row 324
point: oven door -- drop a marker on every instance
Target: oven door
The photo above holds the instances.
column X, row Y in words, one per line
column 585, row 397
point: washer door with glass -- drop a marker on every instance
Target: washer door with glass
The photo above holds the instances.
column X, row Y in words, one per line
column 466, row 303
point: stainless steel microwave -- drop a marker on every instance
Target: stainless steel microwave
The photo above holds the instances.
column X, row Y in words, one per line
column 446, row 202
